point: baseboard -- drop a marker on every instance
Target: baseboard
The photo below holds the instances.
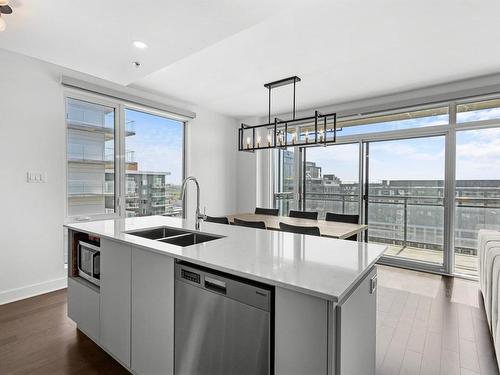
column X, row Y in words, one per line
column 17, row 294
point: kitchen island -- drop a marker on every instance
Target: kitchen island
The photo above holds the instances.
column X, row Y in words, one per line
column 323, row 292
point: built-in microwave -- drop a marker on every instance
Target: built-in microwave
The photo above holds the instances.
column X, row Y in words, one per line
column 89, row 262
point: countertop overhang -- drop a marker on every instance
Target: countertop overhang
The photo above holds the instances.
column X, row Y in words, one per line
column 323, row 267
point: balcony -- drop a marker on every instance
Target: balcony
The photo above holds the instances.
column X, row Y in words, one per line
column 82, row 123
column 89, row 188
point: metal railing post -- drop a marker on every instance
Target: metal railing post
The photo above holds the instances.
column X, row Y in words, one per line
column 405, row 221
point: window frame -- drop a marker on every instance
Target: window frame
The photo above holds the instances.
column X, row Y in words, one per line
column 119, row 107
column 449, row 131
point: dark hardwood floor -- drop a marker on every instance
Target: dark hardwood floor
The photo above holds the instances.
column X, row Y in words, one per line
column 36, row 337
column 426, row 324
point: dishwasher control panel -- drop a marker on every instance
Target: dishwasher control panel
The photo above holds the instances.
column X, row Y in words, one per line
column 191, row 276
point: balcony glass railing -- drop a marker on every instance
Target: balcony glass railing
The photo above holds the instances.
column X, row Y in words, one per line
column 415, row 223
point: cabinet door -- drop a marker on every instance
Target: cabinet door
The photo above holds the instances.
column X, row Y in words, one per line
column 115, row 299
column 356, row 325
column 152, row 313
column 301, row 332
column 83, row 308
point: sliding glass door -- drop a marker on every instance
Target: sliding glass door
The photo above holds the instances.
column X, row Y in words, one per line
column 405, row 202
column 331, row 176
column 477, row 193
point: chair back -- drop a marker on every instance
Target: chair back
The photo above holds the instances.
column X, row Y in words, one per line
column 218, row 220
column 312, row 231
column 341, row 218
column 250, row 224
column 266, row 211
column 312, row 215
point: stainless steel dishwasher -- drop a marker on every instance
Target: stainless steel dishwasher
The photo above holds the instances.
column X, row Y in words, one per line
column 223, row 325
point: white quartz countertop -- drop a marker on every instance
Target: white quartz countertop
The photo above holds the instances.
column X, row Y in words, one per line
column 324, row 267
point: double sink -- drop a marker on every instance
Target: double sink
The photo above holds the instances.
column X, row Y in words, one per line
column 174, row 236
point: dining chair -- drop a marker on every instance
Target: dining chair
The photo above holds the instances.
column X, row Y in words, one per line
column 266, row 211
column 313, row 231
column 343, row 218
column 312, row 215
column 250, row 224
column 218, row 220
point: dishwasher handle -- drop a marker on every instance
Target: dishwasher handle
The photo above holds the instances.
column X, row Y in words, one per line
column 215, row 285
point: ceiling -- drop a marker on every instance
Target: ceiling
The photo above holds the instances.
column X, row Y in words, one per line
column 218, row 54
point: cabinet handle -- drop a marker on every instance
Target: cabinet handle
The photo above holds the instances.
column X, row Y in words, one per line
column 373, row 284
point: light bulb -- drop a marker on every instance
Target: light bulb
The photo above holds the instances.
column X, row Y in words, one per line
column 4, row 3
column 2, row 24
column 137, row 43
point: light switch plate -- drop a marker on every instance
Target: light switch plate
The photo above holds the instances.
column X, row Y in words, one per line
column 36, row 177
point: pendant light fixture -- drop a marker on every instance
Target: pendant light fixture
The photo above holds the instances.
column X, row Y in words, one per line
column 320, row 129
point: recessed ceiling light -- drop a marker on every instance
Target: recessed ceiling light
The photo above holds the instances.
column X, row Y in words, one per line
column 139, row 44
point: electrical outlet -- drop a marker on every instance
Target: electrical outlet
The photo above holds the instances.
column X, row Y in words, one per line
column 36, row 177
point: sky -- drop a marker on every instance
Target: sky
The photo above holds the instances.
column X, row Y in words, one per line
column 157, row 144
column 478, row 152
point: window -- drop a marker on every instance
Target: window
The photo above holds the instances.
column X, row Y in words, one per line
column 477, row 193
column 90, row 158
column 397, row 121
column 395, row 179
column 332, row 179
column 478, row 111
column 154, row 150
column 147, row 178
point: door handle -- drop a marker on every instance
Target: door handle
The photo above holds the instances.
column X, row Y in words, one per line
column 215, row 285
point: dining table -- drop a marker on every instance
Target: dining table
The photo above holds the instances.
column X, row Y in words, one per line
column 326, row 228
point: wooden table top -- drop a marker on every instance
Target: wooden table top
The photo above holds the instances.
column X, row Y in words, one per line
column 326, row 228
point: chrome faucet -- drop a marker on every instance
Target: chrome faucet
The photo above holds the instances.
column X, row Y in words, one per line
column 199, row 216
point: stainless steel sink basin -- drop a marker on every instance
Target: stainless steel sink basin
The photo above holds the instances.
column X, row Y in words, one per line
column 174, row 236
column 158, row 233
column 190, row 239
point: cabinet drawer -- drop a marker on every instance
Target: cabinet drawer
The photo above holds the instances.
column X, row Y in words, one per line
column 83, row 308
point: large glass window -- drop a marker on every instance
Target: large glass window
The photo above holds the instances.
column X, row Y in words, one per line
column 406, row 198
column 152, row 159
column 154, row 164
column 332, row 179
column 478, row 111
column 91, row 166
column 391, row 122
column 477, row 194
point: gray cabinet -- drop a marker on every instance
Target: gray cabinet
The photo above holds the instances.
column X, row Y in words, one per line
column 152, row 313
column 356, row 325
column 83, row 307
column 301, row 334
column 316, row 336
column 115, row 299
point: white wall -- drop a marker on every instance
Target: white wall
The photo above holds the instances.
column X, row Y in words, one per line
column 32, row 138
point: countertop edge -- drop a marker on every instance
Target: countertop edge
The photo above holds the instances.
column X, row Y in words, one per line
column 329, row 297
